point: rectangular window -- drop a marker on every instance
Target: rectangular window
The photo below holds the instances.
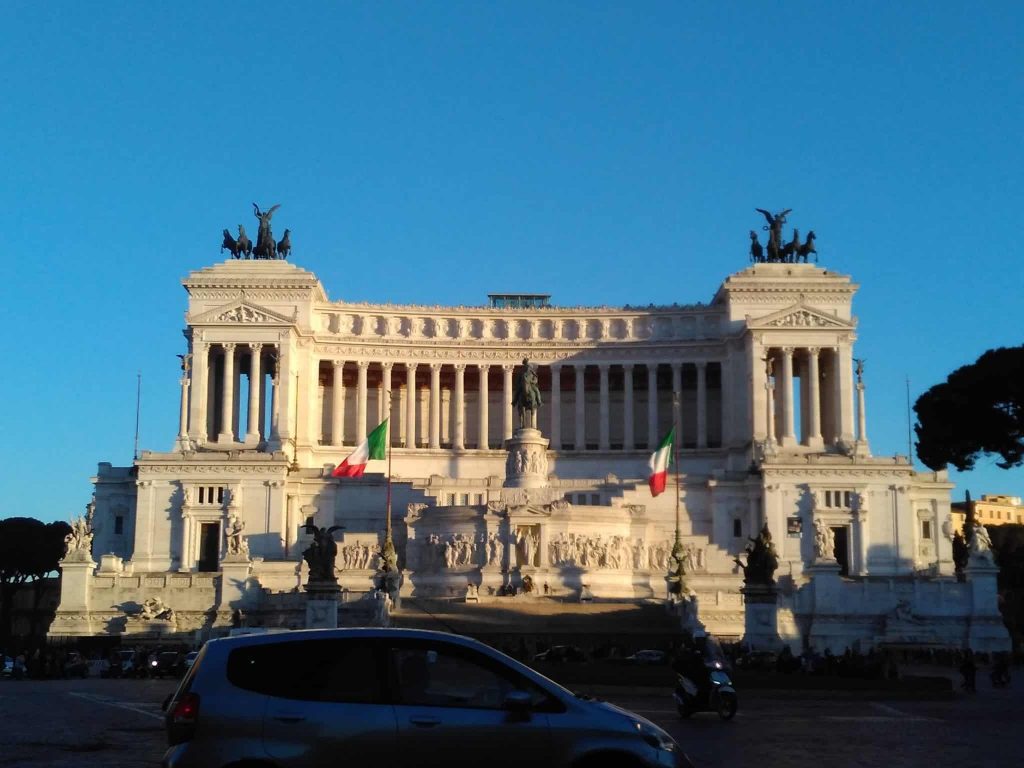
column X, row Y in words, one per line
column 847, row 499
column 118, row 524
column 926, row 529
column 737, row 527
column 202, row 494
column 595, row 499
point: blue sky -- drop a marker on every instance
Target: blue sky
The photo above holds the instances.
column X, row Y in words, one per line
column 433, row 152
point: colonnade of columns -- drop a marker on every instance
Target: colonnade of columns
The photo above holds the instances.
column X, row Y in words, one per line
column 825, row 402
column 210, row 410
column 431, row 408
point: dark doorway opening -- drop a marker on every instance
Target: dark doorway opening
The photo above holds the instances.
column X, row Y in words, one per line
column 209, row 547
column 842, row 550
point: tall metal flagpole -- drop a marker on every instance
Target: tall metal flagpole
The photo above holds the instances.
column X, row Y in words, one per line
column 389, row 557
column 676, row 576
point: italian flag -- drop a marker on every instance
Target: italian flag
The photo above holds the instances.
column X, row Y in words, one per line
column 659, row 463
column 373, row 447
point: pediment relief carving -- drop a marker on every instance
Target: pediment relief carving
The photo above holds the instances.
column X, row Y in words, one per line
column 243, row 311
column 800, row 316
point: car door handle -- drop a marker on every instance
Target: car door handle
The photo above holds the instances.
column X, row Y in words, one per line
column 424, row 722
column 289, row 718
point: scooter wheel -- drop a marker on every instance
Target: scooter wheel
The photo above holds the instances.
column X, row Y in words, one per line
column 727, row 707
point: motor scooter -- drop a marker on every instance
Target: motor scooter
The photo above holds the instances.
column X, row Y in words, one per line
column 719, row 695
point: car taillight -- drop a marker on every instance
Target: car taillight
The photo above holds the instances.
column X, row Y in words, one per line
column 186, row 710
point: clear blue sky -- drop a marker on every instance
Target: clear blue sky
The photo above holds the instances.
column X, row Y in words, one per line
column 432, row 152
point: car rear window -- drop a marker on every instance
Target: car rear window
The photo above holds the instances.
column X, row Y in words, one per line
column 309, row 670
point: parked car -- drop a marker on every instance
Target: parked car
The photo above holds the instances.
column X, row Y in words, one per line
column 76, row 665
column 400, row 697
column 168, row 664
column 560, row 653
column 189, row 660
column 648, row 657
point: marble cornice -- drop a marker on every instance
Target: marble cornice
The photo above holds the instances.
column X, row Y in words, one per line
column 492, row 352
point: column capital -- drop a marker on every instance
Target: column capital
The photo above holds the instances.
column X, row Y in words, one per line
column 603, row 367
column 652, row 366
column 338, row 364
column 434, row 367
column 362, row 365
column 508, row 368
column 411, row 366
column 628, row 367
column 460, row 367
column 555, row 366
column 255, row 346
column 229, row 346
column 483, row 366
column 387, row 366
column 787, row 351
column 813, row 350
column 701, row 365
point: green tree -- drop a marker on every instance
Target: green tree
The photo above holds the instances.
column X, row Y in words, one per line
column 29, row 550
column 978, row 410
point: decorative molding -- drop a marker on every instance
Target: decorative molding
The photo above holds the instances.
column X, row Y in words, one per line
column 242, row 311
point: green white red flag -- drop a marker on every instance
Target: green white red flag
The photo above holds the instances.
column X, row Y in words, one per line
column 375, row 446
column 659, row 464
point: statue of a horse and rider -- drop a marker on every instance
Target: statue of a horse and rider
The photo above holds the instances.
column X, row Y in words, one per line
column 265, row 247
column 778, row 252
column 526, row 396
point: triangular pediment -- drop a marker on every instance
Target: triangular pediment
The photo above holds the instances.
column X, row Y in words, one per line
column 800, row 316
column 241, row 311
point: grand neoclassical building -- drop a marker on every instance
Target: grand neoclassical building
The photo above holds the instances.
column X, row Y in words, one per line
column 280, row 381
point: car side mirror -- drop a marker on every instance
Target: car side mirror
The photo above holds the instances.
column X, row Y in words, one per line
column 517, row 702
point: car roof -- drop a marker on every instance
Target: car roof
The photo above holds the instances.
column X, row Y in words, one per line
column 227, row 643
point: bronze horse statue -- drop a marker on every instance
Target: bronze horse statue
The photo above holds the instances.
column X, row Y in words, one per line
column 756, row 249
column 789, row 250
column 230, row 243
column 244, row 243
column 807, row 248
column 284, row 245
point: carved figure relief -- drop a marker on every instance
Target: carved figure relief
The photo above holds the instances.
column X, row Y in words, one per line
column 358, row 557
column 455, row 551
column 528, row 545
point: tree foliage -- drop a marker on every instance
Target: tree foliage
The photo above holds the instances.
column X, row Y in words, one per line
column 978, row 410
column 1008, row 546
column 29, row 549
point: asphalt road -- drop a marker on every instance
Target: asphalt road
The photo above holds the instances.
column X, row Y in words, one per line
column 115, row 723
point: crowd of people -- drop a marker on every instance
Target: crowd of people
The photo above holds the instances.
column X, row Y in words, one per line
column 52, row 663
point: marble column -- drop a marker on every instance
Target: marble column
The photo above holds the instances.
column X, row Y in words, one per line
column 652, row 406
column 846, row 391
column 702, row 404
column 483, row 440
column 227, row 433
column 581, row 411
column 338, row 404
column 254, row 428
column 627, row 407
column 459, row 438
column 556, row 407
column 604, row 410
column 862, row 417
column 183, row 441
column 814, row 406
column 788, row 436
column 200, row 379
column 506, row 421
column 285, row 386
column 361, row 367
column 275, row 398
column 410, row 405
column 435, row 405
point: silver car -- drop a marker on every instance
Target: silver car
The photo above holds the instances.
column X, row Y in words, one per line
column 400, row 698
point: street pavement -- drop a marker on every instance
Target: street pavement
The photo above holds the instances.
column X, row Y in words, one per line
column 117, row 723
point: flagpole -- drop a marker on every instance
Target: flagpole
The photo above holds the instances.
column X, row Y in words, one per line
column 677, row 547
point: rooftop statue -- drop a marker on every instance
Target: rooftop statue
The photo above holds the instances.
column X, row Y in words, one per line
column 266, row 247
column 526, row 396
column 778, row 252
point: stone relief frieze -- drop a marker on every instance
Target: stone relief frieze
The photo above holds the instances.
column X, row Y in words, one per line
column 358, row 557
column 458, row 550
column 804, row 319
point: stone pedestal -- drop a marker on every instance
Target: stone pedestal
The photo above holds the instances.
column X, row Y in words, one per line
column 73, row 618
column 986, row 630
column 527, row 463
column 761, row 621
column 234, row 593
column 322, row 605
column 390, row 582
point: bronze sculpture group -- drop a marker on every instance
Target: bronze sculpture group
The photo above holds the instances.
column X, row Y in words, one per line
column 778, row 252
column 266, row 247
column 762, row 560
column 527, row 395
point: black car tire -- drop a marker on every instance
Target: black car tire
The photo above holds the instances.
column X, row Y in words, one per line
column 727, row 706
